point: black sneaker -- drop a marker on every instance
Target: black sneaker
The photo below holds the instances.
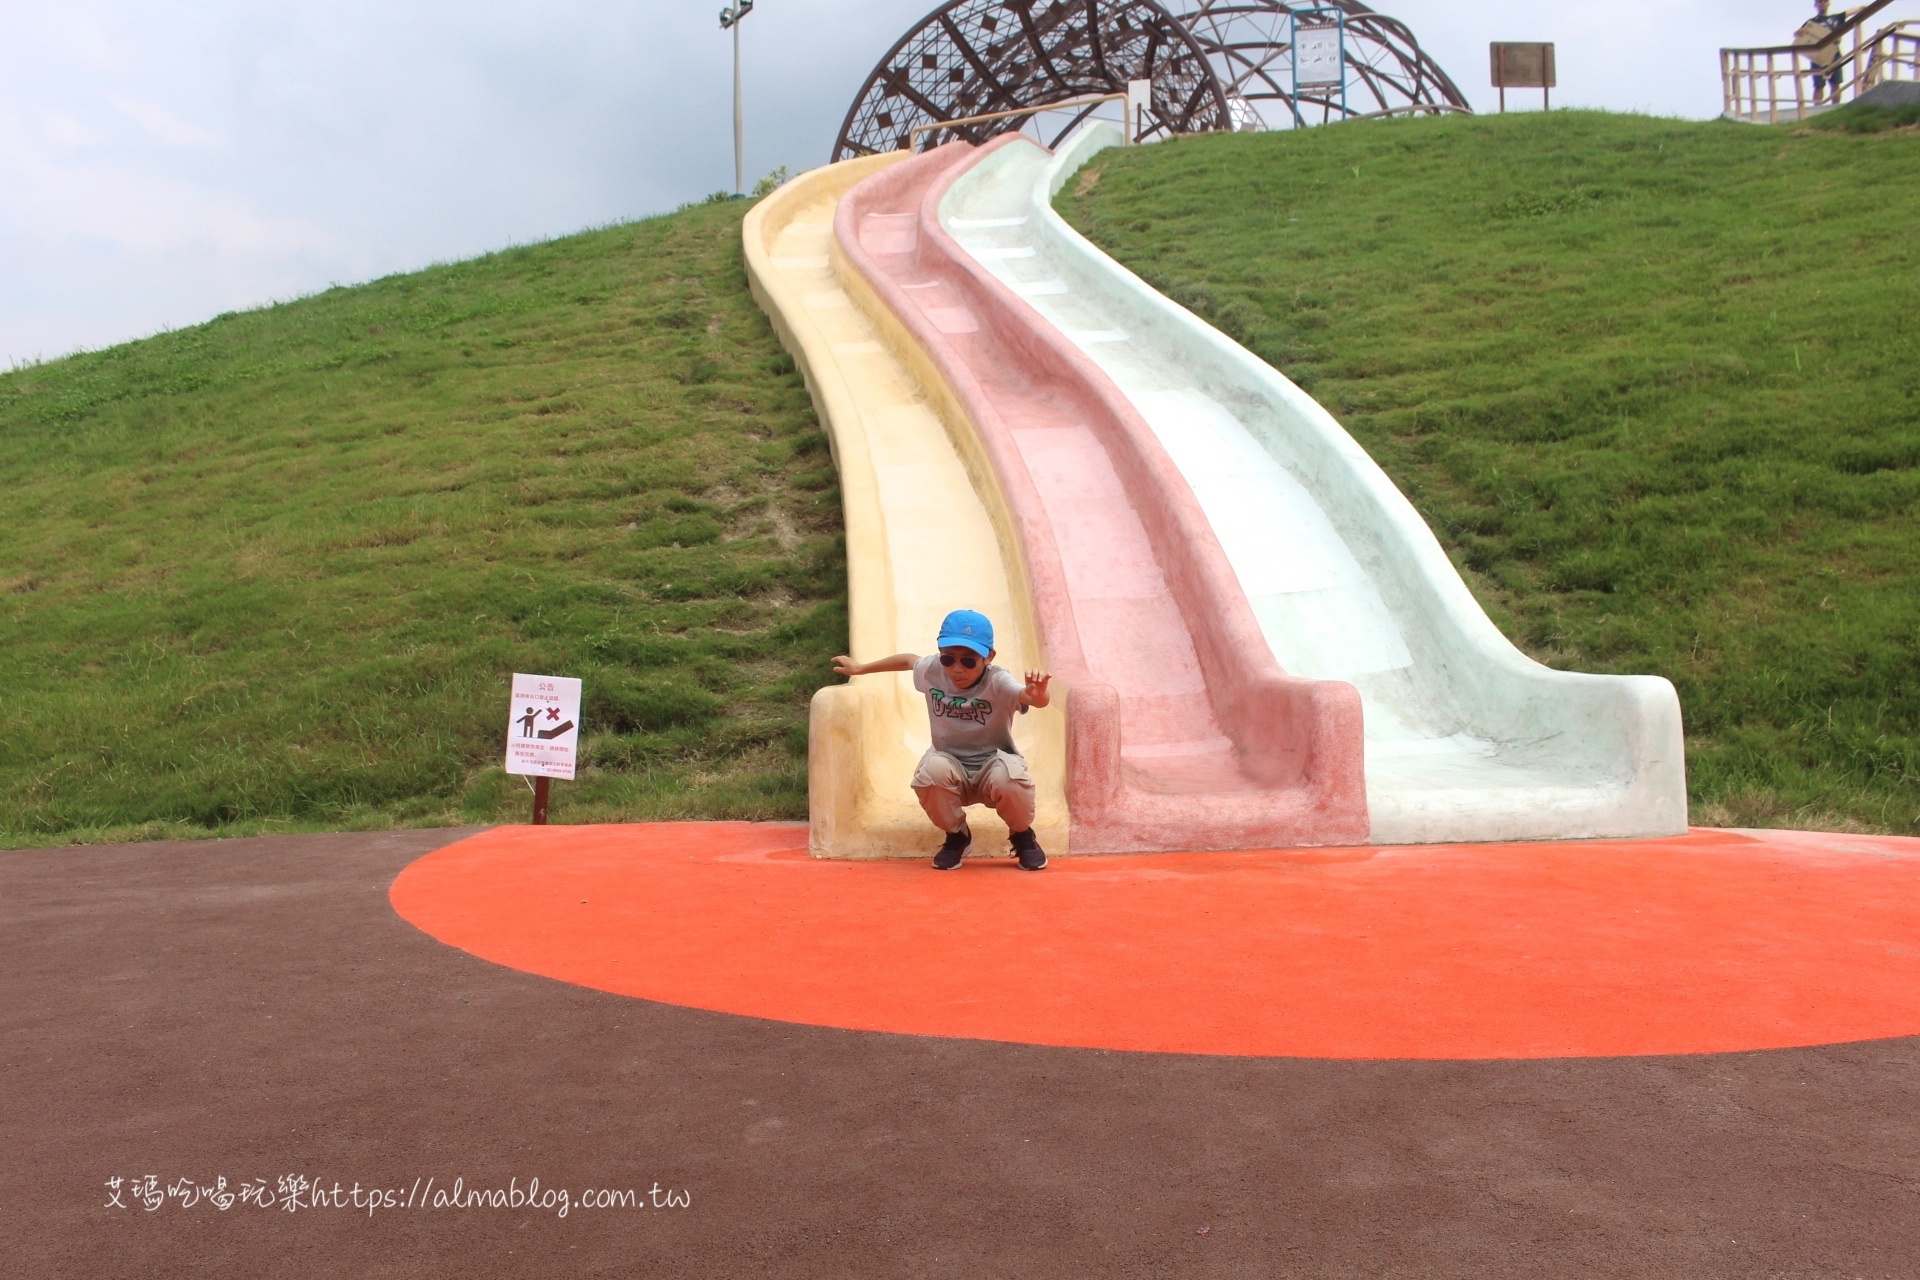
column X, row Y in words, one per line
column 1027, row 847
column 955, row 848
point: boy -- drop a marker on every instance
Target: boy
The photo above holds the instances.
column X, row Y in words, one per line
column 970, row 704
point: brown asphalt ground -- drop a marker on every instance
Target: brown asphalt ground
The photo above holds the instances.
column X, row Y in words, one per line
column 254, row 1008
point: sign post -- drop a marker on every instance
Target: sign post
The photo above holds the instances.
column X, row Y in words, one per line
column 1524, row 66
column 1319, row 54
column 1139, row 102
column 543, row 733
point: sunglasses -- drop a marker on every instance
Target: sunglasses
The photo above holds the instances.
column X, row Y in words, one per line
column 967, row 660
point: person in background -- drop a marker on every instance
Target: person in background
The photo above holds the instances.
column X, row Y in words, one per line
column 1826, row 61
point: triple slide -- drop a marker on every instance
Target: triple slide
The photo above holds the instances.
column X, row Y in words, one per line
column 1261, row 643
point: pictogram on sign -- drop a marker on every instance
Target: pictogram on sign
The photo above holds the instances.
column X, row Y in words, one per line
column 543, row 726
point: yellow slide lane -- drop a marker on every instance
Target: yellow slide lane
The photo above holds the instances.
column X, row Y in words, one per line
column 927, row 532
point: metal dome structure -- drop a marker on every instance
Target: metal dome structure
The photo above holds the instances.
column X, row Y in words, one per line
column 1214, row 64
column 976, row 57
column 1250, row 44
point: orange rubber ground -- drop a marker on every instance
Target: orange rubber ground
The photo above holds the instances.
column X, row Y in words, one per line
column 1709, row 942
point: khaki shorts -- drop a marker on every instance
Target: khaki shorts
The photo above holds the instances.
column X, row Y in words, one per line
column 1003, row 784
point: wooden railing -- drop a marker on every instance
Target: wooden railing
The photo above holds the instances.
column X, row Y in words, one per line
column 1789, row 82
column 1895, row 55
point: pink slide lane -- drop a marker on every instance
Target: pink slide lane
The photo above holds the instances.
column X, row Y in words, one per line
column 1182, row 732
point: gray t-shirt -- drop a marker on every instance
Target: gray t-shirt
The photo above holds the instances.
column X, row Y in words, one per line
column 970, row 724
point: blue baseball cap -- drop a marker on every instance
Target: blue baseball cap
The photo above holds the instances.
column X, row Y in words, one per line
column 967, row 629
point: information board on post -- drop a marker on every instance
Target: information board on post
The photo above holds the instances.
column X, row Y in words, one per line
column 1524, row 66
column 1319, row 56
column 1139, row 103
column 543, row 726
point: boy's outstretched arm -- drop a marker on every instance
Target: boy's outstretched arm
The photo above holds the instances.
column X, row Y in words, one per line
column 1035, row 694
column 845, row 666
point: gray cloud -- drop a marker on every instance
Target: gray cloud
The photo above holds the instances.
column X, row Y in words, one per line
column 160, row 164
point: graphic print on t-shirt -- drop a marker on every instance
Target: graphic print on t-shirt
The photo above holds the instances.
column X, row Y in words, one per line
column 973, row 724
column 957, row 706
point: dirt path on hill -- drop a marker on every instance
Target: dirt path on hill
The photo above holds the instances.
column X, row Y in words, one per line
column 253, row 1009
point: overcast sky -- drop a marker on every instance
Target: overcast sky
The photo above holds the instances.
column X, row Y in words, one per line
column 162, row 163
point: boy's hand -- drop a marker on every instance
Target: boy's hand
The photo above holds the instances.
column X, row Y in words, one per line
column 845, row 666
column 1035, row 694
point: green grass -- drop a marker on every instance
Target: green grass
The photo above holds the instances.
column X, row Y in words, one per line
column 273, row 572
column 1655, row 384
column 1862, row 117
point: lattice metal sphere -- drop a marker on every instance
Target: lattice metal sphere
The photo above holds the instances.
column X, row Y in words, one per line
column 975, row 57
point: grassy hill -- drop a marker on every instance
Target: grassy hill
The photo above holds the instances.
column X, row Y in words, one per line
column 273, row 572
column 1655, row 384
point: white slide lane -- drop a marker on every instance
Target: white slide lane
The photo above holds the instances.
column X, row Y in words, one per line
column 1467, row 739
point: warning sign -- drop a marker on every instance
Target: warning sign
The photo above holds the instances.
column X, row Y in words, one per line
column 543, row 726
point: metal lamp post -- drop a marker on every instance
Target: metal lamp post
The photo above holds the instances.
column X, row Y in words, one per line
column 730, row 21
